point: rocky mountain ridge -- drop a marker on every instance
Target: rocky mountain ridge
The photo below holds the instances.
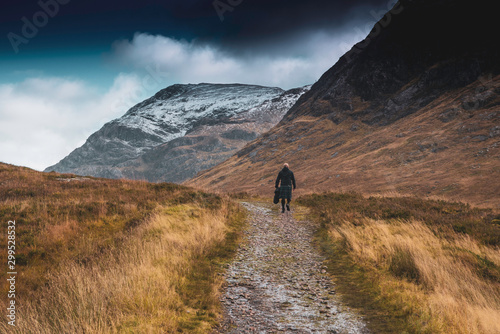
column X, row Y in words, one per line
column 202, row 123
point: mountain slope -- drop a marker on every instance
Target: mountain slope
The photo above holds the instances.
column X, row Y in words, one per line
column 209, row 143
column 412, row 109
column 129, row 147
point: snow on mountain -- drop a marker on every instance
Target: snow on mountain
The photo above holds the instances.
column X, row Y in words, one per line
column 115, row 150
column 172, row 112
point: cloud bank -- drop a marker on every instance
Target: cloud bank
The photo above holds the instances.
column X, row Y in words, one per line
column 299, row 62
column 44, row 119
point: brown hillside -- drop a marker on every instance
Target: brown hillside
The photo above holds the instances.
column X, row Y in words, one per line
column 107, row 256
column 443, row 150
column 407, row 111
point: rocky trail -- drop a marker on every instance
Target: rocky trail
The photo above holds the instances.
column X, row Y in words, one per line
column 278, row 284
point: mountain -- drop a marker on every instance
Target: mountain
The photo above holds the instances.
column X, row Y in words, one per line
column 180, row 131
column 414, row 109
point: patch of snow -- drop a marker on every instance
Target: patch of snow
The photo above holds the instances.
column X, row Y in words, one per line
column 171, row 118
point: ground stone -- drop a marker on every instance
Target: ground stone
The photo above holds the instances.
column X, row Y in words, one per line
column 279, row 282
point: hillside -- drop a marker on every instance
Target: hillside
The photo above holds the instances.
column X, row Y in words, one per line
column 96, row 255
column 412, row 109
column 181, row 130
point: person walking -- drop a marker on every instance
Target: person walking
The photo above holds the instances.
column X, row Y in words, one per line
column 287, row 180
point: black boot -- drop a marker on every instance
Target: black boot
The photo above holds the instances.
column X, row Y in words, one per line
column 287, row 207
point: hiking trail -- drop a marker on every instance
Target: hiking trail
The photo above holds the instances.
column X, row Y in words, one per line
column 278, row 284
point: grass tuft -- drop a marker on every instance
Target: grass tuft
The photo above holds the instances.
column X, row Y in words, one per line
column 402, row 265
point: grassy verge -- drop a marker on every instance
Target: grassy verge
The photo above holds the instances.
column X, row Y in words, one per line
column 412, row 265
column 105, row 256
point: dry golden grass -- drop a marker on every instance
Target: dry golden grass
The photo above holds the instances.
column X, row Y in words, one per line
column 441, row 286
column 439, row 279
column 104, row 256
column 138, row 286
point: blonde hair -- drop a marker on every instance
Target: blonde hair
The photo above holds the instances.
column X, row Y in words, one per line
column 286, row 165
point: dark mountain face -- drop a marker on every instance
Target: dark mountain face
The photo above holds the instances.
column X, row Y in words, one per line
column 413, row 109
column 418, row 50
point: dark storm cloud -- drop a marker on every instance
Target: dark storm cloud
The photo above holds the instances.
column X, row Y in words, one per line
column 260, row 19
column 245, row 22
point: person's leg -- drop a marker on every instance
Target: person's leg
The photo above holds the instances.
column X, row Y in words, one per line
column 288, row 200
column 282, row 205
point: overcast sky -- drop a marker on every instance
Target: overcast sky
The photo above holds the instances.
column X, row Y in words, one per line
column 69, row 66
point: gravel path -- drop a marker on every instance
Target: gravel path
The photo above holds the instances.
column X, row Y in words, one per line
column 277, row 283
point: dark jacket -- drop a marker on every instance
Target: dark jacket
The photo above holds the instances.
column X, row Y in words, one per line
column 286, row 177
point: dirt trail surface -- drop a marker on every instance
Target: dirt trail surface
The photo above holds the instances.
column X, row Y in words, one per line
column 277, row 283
